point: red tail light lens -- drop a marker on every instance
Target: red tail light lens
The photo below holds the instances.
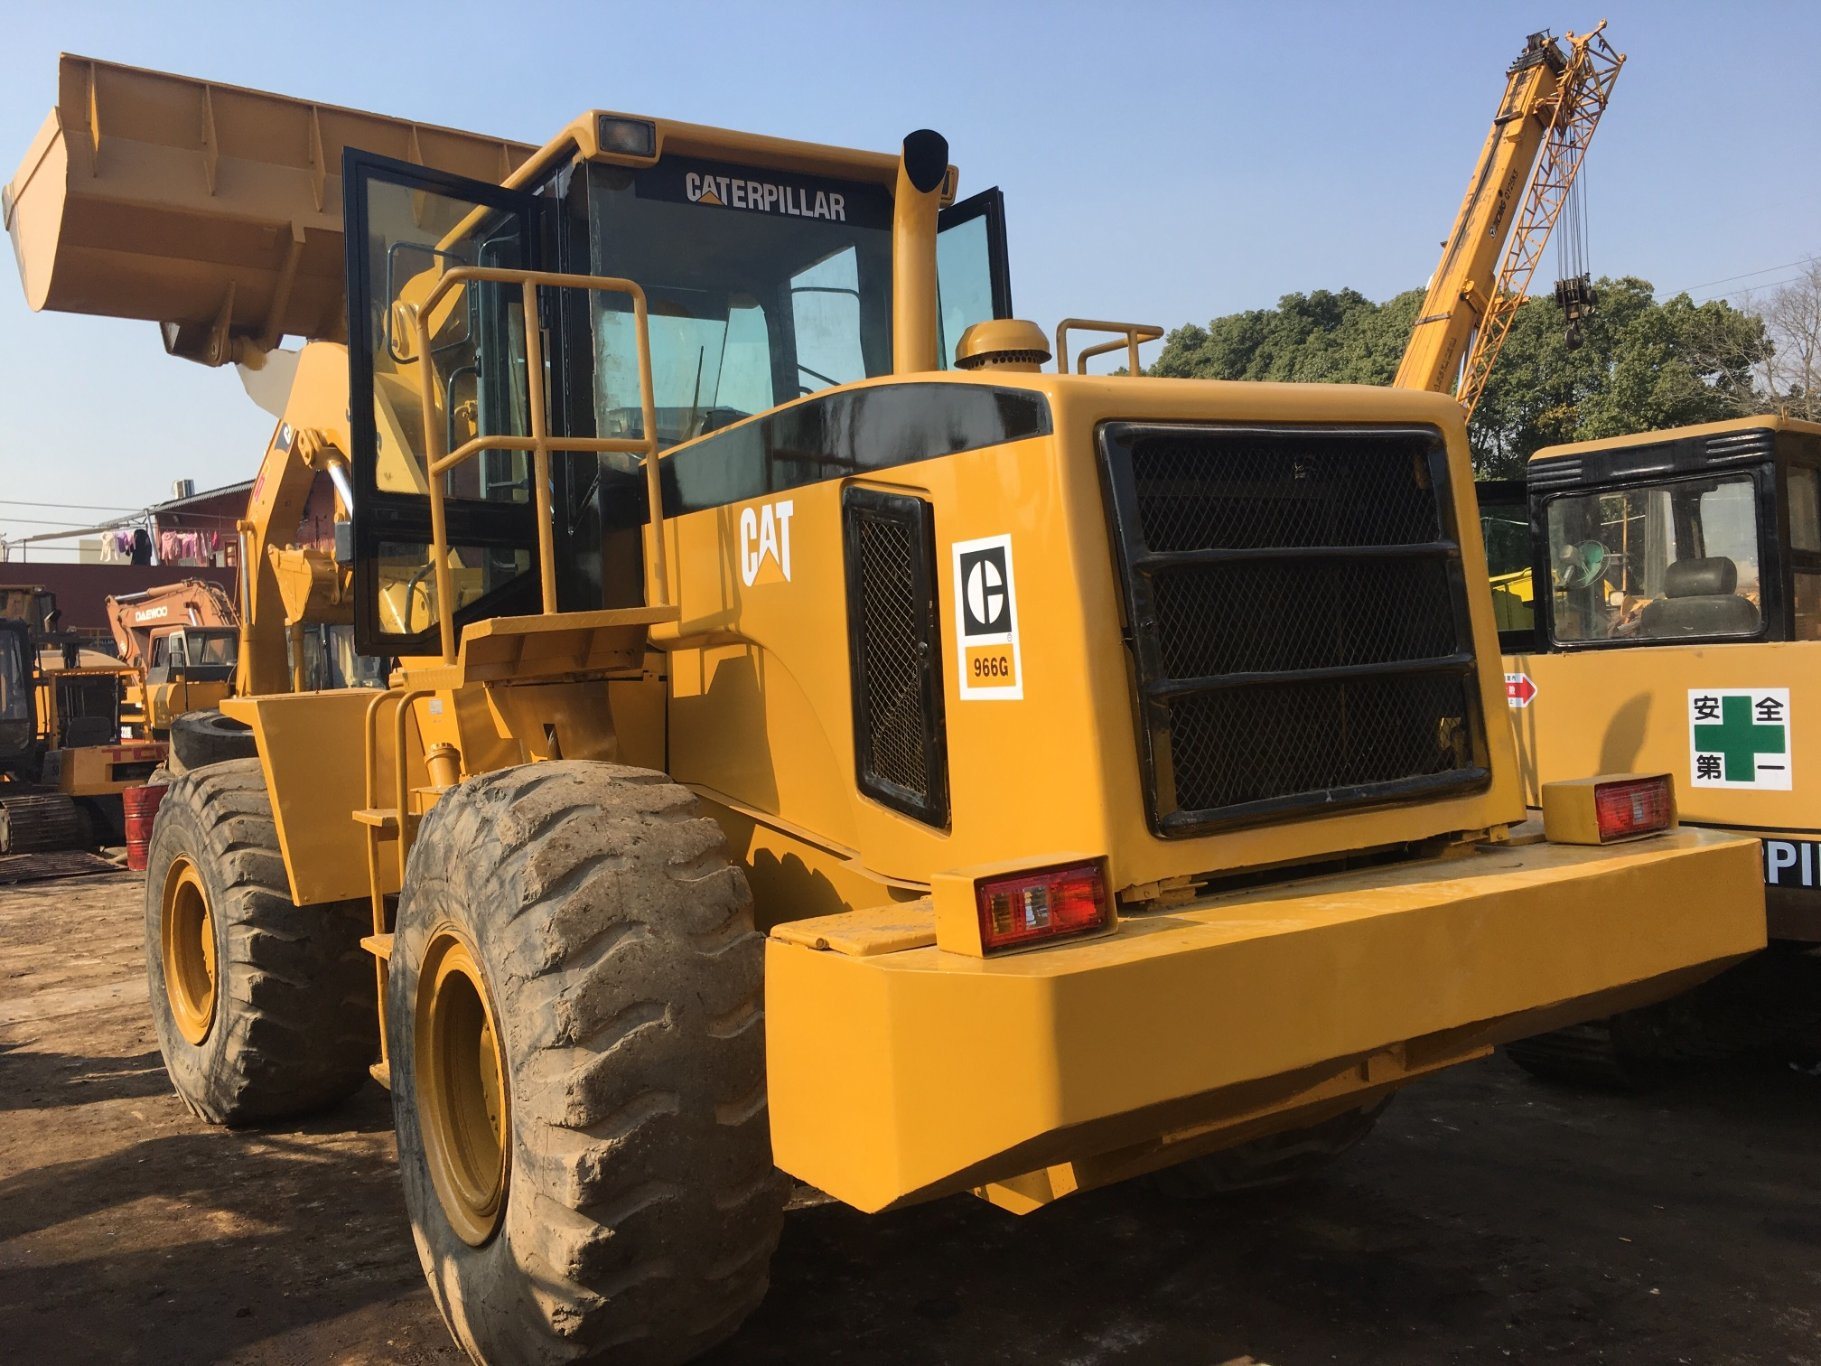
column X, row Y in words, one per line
column 1050, row 903
column 1633, row 808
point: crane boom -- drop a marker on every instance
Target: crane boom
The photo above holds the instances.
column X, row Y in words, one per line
column 1552, row 103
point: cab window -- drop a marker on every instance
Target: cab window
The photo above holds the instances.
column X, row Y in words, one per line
column 1665, row 561
column 1804, row 497
column 760, row 286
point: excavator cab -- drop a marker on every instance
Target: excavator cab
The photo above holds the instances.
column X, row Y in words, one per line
column 193, row 653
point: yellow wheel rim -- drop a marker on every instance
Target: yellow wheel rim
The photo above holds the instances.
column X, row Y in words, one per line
column 462, row 1099
column 187, row 943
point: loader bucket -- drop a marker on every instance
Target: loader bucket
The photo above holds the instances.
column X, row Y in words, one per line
column 209, row 209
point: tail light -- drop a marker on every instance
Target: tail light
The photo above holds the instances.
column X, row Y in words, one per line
column 1043, row 905
column 1637, row 807
column 1615, row 806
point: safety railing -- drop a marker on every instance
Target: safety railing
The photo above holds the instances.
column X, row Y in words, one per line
column 539, row 442
column 1130, row 336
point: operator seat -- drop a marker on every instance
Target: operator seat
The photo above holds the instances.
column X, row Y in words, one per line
column 1700, row 599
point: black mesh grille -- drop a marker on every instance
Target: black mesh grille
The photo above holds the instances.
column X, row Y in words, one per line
column 1256, row 616
column 891, row 619
column 1297, row 618
column 1245, row 491
column 893, row 716
column 1254, row 744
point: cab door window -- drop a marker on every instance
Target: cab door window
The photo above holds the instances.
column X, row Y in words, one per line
column 412, row 226
column 973, row 279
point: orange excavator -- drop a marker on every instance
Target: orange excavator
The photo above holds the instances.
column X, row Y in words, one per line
column 183, row 639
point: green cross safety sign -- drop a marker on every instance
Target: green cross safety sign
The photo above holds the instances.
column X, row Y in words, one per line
column 1739, row 737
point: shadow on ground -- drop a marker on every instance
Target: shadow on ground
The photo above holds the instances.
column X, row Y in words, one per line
column 202, row 1242
column 1490, row 1217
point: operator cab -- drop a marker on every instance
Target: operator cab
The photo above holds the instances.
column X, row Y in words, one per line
column 194, row 654
column 1706, row 535
column 767, row 276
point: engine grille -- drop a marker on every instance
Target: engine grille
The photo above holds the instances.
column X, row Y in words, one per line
column 1297, row 619
column 898, row 723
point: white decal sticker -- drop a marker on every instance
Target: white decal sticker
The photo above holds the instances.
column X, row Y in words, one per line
column 1739, row 737
column 764, row 196
column 986, row 606
column 765, row 543
column 1792, row 863
column 1519, row 690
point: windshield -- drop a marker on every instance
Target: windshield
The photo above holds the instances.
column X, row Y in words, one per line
column 1663, row 561
column 760, row 285
column 215, row 647
column 15, row 684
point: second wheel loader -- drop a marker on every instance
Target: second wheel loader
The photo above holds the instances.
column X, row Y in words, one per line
column 823, row 743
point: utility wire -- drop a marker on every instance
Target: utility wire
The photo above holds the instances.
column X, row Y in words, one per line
column 74, row 507
column 7, row 519
column 1747, row 289
column 1728, row 279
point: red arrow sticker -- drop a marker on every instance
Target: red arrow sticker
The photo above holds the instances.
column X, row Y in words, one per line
column 1519, row 690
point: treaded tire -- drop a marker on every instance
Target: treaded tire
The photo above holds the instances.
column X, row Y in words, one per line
column 294, row 1027
column 615, row 940
column 1600, row 1055
column 1275, row 1160
column 202, row 738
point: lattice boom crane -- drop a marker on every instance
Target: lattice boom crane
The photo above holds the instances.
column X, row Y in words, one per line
column 1553, row 102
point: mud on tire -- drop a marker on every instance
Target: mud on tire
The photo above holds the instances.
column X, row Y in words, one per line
column 615, row 939
column 294, row 1027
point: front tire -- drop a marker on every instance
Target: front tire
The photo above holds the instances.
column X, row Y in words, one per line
column 263, row 1009
column 575, row 1031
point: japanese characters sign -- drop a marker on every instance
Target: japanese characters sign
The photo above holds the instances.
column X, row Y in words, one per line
column 1739, row 737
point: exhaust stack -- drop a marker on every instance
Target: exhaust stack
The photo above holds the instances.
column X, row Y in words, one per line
column 922, row 168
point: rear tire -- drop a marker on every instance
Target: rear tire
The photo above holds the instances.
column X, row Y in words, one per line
column 202, row 738
column 1275, row 1160
column 606, row 1190
column 1600, row 1055
column 263, row 1009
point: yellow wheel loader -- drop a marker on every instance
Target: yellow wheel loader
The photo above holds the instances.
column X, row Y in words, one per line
column 822, row 743
column 1677, row 580
column 63, row 759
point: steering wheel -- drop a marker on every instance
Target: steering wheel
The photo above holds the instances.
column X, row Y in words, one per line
column 1581, row 566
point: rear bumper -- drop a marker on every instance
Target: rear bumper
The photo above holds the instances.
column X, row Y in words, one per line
column 899, row 1073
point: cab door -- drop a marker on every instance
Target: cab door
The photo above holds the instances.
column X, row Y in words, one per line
column 406, row 227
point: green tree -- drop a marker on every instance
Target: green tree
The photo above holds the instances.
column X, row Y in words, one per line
column 1642, row 364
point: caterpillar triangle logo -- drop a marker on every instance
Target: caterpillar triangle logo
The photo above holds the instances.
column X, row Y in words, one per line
column 709, row 197
column 987, row 601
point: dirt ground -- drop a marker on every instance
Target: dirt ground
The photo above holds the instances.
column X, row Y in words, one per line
column 1490, row 1217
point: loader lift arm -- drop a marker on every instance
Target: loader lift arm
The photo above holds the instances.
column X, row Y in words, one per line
column 1553, row 102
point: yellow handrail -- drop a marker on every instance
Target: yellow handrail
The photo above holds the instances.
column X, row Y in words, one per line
column 1130, row 335
column 540, row 442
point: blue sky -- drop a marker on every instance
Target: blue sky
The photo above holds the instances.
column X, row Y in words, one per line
column 1162, row 162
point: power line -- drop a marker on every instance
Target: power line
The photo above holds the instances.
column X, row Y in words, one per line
column 75, row 507
column 1735, row 293
column 7, row 519
column 1728, row 279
